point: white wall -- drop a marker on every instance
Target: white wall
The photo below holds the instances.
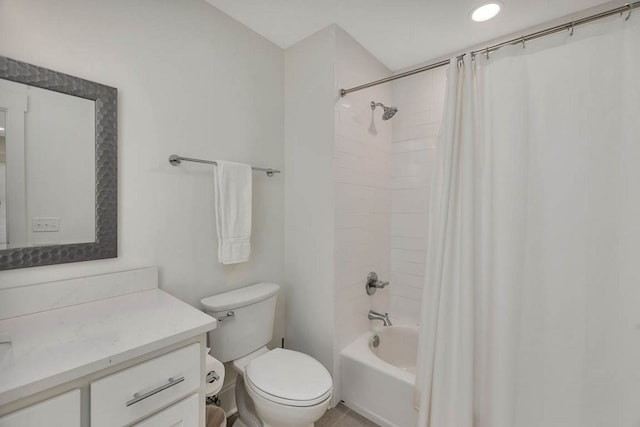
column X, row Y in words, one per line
column 3, row 186
column 190, row 81
column 15, row 106
column 420, row 102
column 337, row 198
column 3, row 202
column 59, row 127
column 309, row 200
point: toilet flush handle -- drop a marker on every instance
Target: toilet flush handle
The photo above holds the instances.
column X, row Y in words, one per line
column 226, row 316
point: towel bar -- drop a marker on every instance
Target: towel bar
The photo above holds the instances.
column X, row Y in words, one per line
column 175, row 160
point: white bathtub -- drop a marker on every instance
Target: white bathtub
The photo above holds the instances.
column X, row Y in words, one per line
column 379, row 382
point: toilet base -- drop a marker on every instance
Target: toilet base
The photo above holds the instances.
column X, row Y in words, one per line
column 246, row 412
column 248, row 415
column 276, row 415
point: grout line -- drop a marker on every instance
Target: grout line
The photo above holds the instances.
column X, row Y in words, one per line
column 340, row 419
column 407, row 262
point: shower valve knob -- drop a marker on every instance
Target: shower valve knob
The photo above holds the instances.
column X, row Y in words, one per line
column 373, row 283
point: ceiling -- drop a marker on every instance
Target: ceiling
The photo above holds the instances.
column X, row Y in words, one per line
column 400, row 33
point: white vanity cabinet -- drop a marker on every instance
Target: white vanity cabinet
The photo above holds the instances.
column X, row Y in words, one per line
column 183, row 414
column 62, row 410
column 135, row 392
column 134, row 357
column 162, row 390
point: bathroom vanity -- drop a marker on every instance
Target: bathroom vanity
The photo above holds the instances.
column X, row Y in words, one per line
column 110, row 350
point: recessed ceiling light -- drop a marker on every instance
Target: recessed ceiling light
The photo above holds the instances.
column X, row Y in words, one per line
column 1, row 129
column 486, row 11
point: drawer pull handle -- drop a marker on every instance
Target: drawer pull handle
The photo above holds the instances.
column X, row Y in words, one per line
column 137, row 397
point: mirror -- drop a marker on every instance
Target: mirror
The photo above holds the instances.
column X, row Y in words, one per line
column 49, row 168
column 3, row 185
column 57, row 167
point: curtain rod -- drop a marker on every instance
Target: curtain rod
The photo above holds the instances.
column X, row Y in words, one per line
column 175, row 160
column 487, row 50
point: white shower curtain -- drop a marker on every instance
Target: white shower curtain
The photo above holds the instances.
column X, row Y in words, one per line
column 530, row 315
column 446, row 335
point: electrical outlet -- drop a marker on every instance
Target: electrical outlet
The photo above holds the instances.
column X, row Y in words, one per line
column 45, row 224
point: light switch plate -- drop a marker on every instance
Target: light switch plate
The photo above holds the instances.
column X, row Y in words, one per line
column 44, row 224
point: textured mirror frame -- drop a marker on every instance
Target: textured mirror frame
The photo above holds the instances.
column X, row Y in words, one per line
column 105, row 97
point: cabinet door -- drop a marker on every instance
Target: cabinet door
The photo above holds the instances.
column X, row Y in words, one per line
column 63, row 410
column 183, row 414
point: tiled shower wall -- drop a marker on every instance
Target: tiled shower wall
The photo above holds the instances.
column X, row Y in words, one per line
column 362, row 172
column 362, row 211
column 420, row 101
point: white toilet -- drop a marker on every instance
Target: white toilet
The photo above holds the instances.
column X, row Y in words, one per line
column 286, row 388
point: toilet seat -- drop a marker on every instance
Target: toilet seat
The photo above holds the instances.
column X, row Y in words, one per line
column 289, row 378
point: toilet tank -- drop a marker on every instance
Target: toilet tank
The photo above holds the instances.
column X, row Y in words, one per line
column 245, row 320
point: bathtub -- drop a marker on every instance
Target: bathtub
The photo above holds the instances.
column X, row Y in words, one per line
column 379, row 382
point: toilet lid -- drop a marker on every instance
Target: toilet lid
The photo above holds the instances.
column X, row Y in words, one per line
column 289, row 377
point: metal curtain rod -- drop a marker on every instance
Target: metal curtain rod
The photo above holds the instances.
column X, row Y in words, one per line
column 175, row 160
column 487, row 50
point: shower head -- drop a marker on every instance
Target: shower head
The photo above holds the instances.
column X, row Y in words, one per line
column 388, row 111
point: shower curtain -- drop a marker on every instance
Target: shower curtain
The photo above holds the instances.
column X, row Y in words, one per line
column 531, row 310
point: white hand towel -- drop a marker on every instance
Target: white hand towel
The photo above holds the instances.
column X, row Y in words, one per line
column 233, row 211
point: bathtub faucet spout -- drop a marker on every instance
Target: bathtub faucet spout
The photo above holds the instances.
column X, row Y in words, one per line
column 373, row 315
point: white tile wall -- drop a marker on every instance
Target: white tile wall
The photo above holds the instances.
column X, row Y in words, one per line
column 362, row 173
column 420, row 101
column 362, row 213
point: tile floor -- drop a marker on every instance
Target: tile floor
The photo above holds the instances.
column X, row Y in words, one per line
column 340, row 416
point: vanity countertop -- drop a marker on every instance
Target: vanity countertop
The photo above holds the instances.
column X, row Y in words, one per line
column 53, row 347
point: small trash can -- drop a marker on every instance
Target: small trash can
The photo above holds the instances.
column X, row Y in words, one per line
column 215, row 417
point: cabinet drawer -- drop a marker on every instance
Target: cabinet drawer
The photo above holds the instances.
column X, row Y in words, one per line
column 63, row 410
column 185, row 413
column 135, row 392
